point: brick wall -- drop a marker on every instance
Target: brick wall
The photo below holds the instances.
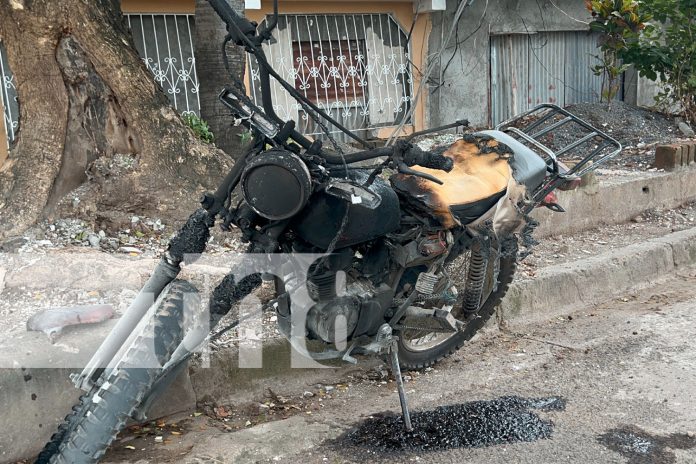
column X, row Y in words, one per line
column 675, row 156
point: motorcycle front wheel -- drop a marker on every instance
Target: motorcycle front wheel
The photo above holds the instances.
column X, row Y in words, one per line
column 420, row 348
column 101, row 414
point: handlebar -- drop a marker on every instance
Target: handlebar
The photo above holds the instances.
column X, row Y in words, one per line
column 236, row 24
column 403, row 154
column 416, row 156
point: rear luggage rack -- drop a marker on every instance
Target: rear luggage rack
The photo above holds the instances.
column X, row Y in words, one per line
column 544, row 129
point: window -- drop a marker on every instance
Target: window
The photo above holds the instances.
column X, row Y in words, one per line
column 165, row 43
column 338, row 73
column 356, row 67
column 8, row 98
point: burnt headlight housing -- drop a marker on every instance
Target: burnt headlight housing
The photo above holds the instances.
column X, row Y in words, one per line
column 276, row 184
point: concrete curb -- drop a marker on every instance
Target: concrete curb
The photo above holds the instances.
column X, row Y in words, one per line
column 616, row 201
column 560, row 289
column 35, row 400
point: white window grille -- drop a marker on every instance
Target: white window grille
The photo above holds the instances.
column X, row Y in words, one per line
column 8, row 98
column 356, row 67
column 165, row 43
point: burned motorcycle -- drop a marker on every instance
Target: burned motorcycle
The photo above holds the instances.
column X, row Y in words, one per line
column 425, row 243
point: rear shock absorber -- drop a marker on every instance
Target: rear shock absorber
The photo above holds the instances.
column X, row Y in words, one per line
column 475, row 278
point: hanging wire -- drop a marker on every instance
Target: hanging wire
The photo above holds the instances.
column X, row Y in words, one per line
column 566, row 14
column 457, row 44
column 433, row 61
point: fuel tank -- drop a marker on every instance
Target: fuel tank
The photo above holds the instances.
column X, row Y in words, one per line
column 321, row 219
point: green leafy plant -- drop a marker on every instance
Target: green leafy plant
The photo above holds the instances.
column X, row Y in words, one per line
column 620, row 23
column 199, row 127
column 246, row 136
column 667, row 51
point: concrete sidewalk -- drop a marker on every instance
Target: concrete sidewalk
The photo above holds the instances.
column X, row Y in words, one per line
column 35, row 400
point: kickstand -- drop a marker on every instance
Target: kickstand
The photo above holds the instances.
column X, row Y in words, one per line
column 396, row 370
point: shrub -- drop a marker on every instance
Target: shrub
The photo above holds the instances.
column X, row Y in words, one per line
column 667, row 50
column 619, row 22
column 199, row 127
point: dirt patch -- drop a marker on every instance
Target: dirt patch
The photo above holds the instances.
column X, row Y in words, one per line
column 230, row 417
column 148, row 441
column 640, row 158
column 637, row 129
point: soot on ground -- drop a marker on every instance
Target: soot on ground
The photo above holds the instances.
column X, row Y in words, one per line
column 640, row 447
column 474, row 424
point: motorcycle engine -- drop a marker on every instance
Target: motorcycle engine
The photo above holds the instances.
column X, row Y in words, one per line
column 337, row 312
column 334, row 321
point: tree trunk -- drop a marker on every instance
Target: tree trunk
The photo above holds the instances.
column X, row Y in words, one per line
column 94, row 123
column 212, row 75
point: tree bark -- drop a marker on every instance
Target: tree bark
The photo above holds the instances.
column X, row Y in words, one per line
column 212, row 75
column 94, row 123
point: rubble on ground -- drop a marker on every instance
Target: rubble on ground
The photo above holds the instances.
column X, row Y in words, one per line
column 638, row 130
column 146, row 237
column 630, row 125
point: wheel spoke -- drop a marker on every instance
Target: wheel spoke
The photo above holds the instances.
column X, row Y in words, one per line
column 422, row 339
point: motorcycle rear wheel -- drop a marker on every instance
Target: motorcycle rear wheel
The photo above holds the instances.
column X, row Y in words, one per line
column 87, row 432
column 411, row 357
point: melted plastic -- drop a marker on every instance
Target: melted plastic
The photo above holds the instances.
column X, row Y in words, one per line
column 481, row 170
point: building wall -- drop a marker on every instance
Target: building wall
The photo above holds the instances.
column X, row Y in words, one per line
column 464, row 88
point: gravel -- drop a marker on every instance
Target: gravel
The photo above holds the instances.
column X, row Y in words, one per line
column 637, row 129
column 146, row 237
column 630, row 125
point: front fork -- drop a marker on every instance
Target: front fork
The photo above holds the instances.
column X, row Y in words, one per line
column 190, row 240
